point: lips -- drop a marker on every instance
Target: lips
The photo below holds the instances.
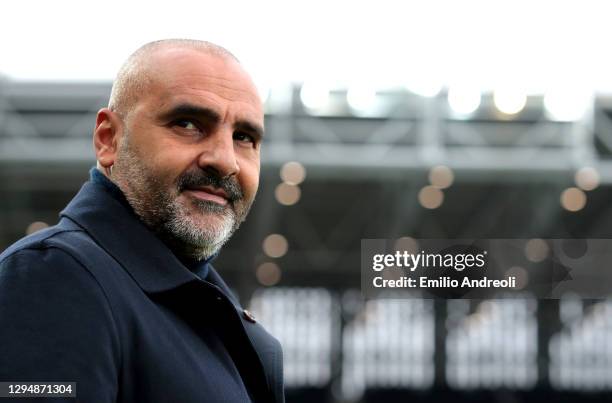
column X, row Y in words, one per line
column 209, row 193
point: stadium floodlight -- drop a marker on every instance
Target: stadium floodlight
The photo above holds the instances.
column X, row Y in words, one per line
column 509, row 101
column 567, row 104
column 314, row 95
column 464, row 100
column 425, row 86
column 361, row 98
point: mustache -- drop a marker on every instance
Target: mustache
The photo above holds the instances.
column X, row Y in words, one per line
column 230, row 185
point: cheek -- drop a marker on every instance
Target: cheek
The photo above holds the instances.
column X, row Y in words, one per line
column 160, row 149
column 168, row 161
column 249, row 179
column 250, row 186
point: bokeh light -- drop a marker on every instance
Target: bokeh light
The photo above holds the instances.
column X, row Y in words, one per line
column 441, row 176
column 536, row 250
column 293, row 173
column 275, row 245
column 509, row 101
column 567, row 104
column 35, row 227
column 573, row 199
column 268, row 274
column 287, row 194
column 587, row 178
column 464, row 100
column 314, row 95
column 431, row 197
column 361, row 97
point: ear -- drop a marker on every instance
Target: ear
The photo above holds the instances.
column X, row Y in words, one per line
column 109, row 129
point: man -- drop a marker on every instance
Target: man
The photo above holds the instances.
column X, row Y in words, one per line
column 120, row 297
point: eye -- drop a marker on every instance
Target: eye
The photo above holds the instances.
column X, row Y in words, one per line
column 244, row 137
column 186, row 124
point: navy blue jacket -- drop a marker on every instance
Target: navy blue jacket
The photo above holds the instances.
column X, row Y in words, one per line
column 99, row 300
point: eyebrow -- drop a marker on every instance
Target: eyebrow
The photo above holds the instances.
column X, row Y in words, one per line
column 186, row 109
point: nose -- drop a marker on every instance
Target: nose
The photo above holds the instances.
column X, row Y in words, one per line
column 218, row 154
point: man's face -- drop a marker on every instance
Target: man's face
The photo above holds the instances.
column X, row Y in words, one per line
column 188, row 159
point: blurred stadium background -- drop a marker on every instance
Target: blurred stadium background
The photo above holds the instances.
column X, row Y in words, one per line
column 437, row 155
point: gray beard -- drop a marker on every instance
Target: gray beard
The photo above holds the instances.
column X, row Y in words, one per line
column 190, row 241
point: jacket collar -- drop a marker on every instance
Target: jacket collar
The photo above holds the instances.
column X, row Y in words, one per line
column 113, row 224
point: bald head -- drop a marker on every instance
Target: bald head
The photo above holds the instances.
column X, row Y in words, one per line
column 135, row 74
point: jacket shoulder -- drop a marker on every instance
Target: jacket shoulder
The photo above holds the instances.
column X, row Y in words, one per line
column 37, row 241
column 40, row 259
column 59, row 323
column 64, row 244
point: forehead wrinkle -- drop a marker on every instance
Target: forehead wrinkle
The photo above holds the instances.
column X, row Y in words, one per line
column 204, row 99
column 135, row 74
column 223, row 87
